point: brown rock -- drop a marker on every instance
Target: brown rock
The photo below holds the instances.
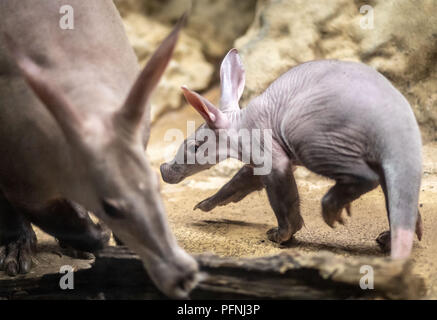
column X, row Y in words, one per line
column 188, row 65
column 216, row 24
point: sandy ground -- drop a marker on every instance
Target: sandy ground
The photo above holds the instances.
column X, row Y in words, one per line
column 239, row 229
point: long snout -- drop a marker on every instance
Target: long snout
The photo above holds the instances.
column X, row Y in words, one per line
column 174, row 271
column 169, row 175
column 177, row 276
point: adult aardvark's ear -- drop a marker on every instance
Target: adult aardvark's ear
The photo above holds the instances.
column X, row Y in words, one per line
column 70, row 121
column 232, row 79
column 136, row 104
column 213, row 116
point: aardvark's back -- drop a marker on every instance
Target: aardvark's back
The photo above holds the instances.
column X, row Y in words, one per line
column 346, row 98
column 93, row 65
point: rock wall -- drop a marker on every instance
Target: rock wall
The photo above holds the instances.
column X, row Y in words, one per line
column 188, row 65
column 211, row 30
column 215, row 23
column 402, row 44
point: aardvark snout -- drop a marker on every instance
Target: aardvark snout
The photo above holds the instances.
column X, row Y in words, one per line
column 177, row 277
column 170, row 174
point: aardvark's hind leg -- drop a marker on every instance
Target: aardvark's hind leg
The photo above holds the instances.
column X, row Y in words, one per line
column 350, row 185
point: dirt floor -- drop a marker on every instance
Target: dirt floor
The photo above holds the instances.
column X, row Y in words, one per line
column 239, row 229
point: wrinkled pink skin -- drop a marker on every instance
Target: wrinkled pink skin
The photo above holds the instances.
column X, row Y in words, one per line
column 342, row 120
column 74, row 125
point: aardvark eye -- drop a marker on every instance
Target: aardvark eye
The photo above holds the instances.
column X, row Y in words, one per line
column 196, row 146
column 193, row 147
column 112, row 208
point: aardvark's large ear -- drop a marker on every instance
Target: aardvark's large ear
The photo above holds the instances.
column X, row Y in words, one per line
column 52, row 97
column 232, row 79
column 213, row 116
column 135, row 106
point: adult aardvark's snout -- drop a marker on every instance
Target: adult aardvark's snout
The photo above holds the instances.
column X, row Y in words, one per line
column 175, row 275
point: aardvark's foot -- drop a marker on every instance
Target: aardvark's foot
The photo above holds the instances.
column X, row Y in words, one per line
column 16, row 254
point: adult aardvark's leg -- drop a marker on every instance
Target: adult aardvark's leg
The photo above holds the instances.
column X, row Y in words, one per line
column 242, row 183
column 284, row 199
column 71, row 225
column 17, row 240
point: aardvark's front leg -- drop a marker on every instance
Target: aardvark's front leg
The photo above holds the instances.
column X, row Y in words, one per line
column 17, row 240
column 284, row 199
column 243, row 183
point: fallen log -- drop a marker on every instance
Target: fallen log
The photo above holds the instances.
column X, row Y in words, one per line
column 118, row 274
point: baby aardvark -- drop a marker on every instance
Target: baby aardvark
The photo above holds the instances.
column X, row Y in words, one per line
column 342, row 120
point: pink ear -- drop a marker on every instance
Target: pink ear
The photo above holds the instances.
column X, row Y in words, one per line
column 232, row 80
column 213, row 116
column 193, row 99
column 136, row 105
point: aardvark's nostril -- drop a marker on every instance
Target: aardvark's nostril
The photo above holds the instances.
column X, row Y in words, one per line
column 182, row 285
column 164, row 170
column 187, row 283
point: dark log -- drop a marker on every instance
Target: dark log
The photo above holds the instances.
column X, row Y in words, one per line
column 119, row 274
